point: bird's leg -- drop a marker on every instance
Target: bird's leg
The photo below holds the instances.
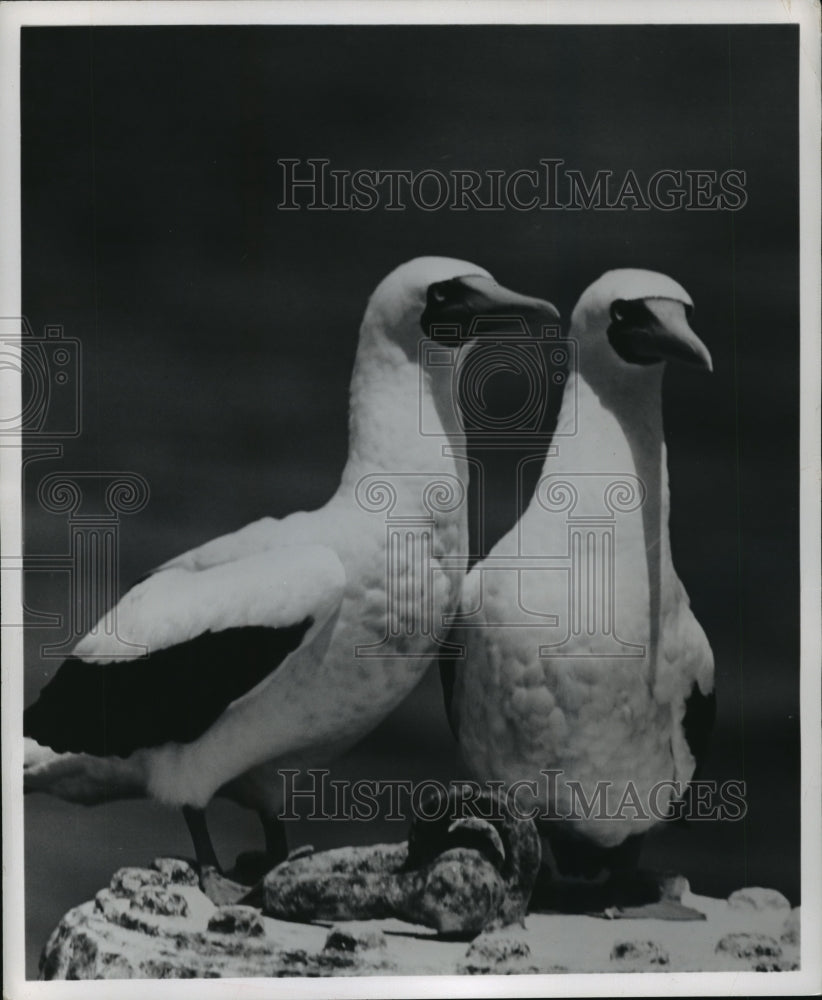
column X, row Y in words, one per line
column 626, row 883
column 632, row 887
column 220, row 890
column 276, row 842
column 611, row 884
column 252, row 866
column 640, row 893
column 198, row 828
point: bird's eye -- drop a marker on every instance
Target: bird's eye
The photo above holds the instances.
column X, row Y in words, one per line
column 438, row 294
column 618, row 311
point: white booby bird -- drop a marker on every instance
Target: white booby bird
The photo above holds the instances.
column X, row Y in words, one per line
column 582, row 655
column 258, row 641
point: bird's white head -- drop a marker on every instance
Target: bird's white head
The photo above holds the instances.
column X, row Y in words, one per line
column 436, row 297
column 630, row 319
column 432, row 291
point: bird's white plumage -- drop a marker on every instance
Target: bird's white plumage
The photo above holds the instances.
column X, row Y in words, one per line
column 278, row 587
column 579, row 708
column 330, row 565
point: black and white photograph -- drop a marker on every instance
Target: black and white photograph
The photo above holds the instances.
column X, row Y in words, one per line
column 410, row 473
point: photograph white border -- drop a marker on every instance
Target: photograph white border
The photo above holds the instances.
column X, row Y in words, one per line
column 806, row 14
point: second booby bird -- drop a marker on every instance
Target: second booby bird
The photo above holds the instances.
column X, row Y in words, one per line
column 585, row 672
column 282, row 644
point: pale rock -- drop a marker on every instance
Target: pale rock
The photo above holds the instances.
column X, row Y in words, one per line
column 757, row 898
column 640, row 953
column 791, row 928
column 750, row 946
column 243, row 921
column 123, row 933
column 355, row 937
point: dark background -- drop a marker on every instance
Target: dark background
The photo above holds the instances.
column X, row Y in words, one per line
column 218, row 334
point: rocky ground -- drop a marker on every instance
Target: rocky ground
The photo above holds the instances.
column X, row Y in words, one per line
column 157, row 923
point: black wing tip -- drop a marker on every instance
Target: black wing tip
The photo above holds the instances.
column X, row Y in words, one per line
column 171, row 696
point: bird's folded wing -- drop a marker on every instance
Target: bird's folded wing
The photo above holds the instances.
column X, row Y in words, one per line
column 273, row 589
column 265, row 533
column 211, row 636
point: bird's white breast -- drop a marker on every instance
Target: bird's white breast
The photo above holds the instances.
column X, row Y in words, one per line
column 333, row 690
column 532, row 694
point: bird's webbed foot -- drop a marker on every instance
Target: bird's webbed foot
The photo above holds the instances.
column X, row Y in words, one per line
column 607, row 882
column 220, row 889
column 644, row 894
column 623, row 895
column 250, row 867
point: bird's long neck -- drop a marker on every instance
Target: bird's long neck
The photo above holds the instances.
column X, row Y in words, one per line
column 402, row 419
column 612, row 426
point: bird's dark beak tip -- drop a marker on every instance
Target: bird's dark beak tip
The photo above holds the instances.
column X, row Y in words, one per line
column 697, row 361
column 704, row 362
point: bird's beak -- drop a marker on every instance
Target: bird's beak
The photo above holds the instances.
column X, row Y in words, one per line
column 664, row 335
column 461, row 300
